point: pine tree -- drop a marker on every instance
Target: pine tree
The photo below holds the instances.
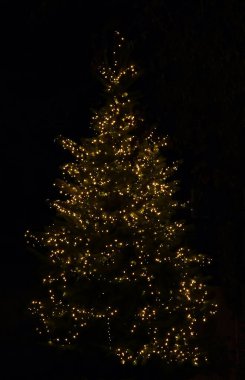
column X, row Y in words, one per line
column 118, row 273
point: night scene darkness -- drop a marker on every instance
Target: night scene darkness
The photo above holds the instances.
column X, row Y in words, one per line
column 122, row 247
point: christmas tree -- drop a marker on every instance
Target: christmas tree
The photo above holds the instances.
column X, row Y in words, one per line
column 118, row 273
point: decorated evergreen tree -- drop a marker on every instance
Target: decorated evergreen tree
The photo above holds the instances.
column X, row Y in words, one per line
column 118, row 274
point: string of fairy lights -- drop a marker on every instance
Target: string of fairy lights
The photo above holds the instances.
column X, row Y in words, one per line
column 118, row 182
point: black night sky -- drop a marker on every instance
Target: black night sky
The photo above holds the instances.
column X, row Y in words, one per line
column 191, row 55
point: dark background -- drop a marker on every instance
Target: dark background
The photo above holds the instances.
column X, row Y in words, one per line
column 191, row 55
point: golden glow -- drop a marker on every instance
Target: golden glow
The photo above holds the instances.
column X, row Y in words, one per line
column 117, row 186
